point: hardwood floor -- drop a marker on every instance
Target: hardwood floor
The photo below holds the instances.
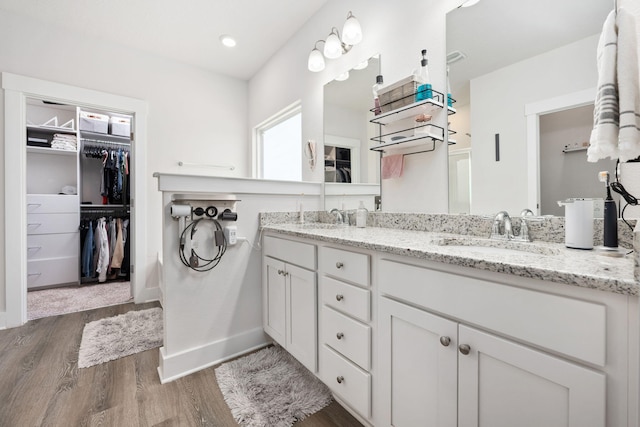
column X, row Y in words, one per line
column 41, row 385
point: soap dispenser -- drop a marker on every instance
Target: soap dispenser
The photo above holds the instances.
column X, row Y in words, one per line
column 361, row 215
column 424, row 81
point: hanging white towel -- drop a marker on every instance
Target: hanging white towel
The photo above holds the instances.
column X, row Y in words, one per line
column 628, row 87
column 604, row 136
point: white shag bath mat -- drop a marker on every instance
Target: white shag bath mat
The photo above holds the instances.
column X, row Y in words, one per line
column 270, row 388
column 119, row 336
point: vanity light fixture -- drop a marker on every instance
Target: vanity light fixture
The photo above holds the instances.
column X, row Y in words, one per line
column 227, row 40
column 335, row 46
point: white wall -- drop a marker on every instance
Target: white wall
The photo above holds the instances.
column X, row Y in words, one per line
column 194, row 115
column 497, row 102
column 397, row 30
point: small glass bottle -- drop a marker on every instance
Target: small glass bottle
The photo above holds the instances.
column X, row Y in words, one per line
column 376, row 100
column 361, row 215
column 424, row 81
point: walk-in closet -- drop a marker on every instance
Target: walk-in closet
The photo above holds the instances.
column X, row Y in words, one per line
column 78, row 196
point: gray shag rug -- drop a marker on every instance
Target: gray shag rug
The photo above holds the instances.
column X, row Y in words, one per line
column 270, row 388
column 119, row 336
column 70, row 299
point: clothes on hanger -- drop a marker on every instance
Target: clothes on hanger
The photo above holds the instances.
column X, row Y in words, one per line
column 105, row 248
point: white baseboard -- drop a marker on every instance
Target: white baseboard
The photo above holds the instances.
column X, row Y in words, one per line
column 146, row 295
column 187, row 362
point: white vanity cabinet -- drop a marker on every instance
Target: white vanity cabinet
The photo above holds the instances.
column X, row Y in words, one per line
column 346, row 326
column 290, row 297
column 460, row 351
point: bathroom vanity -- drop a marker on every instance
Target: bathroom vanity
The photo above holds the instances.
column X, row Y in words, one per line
column 422, row 328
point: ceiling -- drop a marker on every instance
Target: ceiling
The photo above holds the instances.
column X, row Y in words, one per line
column 187, row 31
column 497, row 33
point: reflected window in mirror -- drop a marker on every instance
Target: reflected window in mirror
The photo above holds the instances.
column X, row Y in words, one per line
column 278, row 147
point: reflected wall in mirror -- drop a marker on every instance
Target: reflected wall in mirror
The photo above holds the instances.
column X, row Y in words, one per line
column 506, row 59
column 352, row 171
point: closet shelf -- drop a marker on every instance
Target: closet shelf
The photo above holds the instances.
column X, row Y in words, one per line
column 45, row 150
column 51, row 129
column 103, row 137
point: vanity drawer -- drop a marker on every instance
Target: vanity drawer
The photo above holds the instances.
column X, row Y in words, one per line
column 347, row 298
column 52, row 271
column 569, row 326
column 347, row 381
column 347, row 336
column 52, row 223
column 346, row 265
column 297, row 253
column 53, row 245
column 52, row 203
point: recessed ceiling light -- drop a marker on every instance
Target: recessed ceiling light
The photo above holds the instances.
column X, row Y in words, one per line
column 227, row 40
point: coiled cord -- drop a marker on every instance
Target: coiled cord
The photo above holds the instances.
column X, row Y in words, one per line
column 195, row 261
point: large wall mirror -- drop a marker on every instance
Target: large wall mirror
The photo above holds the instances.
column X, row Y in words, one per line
column 520, row 72
column 351, row 170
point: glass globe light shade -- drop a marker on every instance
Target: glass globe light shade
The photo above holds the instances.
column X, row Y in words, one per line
column 316, row 61
column 333, row 46
column 351, row 32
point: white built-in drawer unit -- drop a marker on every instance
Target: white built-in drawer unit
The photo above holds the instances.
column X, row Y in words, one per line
column 346, row 298
column 345, row 265
column 347, row 380
column 565, row 325
column 52, row 203
column 52, row 271
column 349, row 337
column 53, row 239
column 297, row 253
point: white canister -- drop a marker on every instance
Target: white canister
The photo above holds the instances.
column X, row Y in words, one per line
column 578, row 223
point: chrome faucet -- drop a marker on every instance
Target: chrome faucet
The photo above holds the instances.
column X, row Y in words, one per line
column 339, row 217
column 501, row 228
column 524, row 227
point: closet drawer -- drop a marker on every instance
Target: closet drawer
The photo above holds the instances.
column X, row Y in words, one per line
column 41, row 246
column 347, row 336
column 52, row 223
column 52, row 271
column 347, row 381
column 297, row 253
column 52, row 203
column 349, row 299
column 345, row 265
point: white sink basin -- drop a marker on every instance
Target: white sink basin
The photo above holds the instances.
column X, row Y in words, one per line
column 489, row 246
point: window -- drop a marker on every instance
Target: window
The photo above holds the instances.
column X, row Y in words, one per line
column 279, row 146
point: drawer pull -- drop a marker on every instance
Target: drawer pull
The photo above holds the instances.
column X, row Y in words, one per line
column 339, row 265
column 34, row 224
column 339, row 297
column 34, row 248
column 339, row 335
column 340, row 379
column 445, row 341
column 464, row 349
column 34, row 274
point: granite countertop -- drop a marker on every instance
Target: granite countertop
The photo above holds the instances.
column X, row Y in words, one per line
column 538, row 260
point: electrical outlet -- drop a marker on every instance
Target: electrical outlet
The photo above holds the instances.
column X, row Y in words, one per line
column 231, row 234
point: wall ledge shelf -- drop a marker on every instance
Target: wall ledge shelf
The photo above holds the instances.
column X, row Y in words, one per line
column 412, row 142
column 427, row 106
column 45, row 150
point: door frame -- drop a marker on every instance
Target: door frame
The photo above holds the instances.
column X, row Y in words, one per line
column 17, row 89
column 532, row 112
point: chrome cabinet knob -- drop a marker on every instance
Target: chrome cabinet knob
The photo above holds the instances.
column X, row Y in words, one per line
column 340, row 379
column 464, row 349
column 339, row 297
column 339, row 335
column 339, row 265
column 445, row 341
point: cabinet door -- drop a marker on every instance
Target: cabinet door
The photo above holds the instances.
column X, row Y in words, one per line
column 302, row 303
column 274, row 319
column 503, row 384
column 418, row 367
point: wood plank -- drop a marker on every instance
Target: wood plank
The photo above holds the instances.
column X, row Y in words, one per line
column 41, row 384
